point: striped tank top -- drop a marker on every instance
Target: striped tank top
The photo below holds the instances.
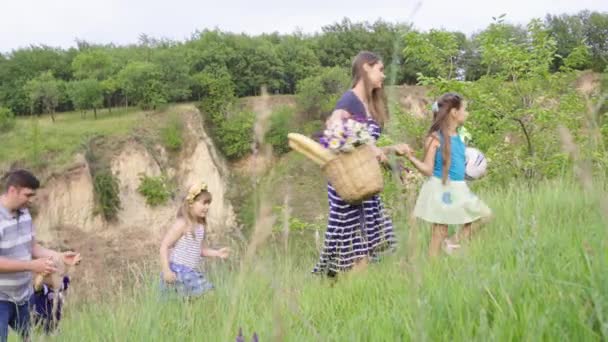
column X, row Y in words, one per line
column 187, row 250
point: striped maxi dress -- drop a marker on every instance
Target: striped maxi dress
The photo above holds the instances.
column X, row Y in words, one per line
column 354, row 231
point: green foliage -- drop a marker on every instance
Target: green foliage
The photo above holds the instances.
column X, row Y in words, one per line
column 232, row 132
column 24, row 64
column 312, row 127
column 578, row 59
column 235, row 135
column 34, row 139
column 142, row 83
column 584, row 28
column 43, row 93
column 406, row 127
column 92, row 64
column 106, row 188
column 512, row 59
column 281, row 123
column 217, row 90
column 515, row 124
column 86, row 94
column 156, row 71
column 527, row 276
column 172, row 134
column 7, row 119
column 174, row 73
column 299, row 61
column 515, row 110
column 317, row 95
column 437, row 51
column 295, row 225
column 154, row 189
column 341, row 41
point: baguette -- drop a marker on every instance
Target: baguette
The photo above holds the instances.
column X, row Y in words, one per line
column 310, row 148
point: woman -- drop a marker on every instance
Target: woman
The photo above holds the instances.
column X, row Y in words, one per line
column 356, row 233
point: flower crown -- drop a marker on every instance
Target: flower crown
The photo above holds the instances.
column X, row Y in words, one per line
column 195, row 190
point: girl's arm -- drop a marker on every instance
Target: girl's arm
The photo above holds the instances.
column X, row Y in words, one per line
column 426, row 167
column 175, row 232
column 398, row 149
column 216, row 253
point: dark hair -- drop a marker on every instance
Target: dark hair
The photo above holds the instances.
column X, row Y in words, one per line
column 377, row 100
column 445, row 104
column 21, row 179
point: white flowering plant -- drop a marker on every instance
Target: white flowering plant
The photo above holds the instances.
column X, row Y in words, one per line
column 345, row 135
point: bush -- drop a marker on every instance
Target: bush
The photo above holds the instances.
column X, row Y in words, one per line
column 281, row 122
column 313, row 127
column 106, row 194
column 217, row 90
column 154, row 189
column 172, row 134
column 232, row 134
column 317, row 95
column 7, row 119
column 235, row 136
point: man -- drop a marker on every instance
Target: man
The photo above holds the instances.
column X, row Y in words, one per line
column 20, row 254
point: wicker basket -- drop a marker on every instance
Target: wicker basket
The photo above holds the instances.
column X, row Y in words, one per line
column 356, row 176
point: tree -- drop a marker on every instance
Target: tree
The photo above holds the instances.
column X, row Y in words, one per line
column 319, row 93
column 437, row 50
column 92, row 64
column 44, row 92
column 256, row 64
column 596, row 38
column 298, row 59
column 513, row 58
column 216, row 89
column 109, row 88
column 340, row 42
column 174, row 72
column 22, row 65
column 578, row 59
column 7, row 119
column 86, row 94
column 142, row 83
column 568, row 32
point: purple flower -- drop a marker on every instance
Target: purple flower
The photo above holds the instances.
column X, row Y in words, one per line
column 240, row 337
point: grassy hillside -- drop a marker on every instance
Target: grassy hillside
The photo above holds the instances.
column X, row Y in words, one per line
column 537, row 272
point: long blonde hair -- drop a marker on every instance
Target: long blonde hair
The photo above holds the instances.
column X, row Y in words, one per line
column 376, row 97
column 196, row 193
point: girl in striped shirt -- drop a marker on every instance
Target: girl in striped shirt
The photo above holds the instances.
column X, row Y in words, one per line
column 182, row 247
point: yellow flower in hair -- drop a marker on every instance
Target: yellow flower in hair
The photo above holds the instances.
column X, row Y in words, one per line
column 195, row 190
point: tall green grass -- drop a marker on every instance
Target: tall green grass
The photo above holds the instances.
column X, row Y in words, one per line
column 537, row 272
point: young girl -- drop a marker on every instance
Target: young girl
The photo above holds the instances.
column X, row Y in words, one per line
column 445, row 197
column 182, row 247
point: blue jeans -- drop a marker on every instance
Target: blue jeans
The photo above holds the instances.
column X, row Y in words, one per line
column 15, row 316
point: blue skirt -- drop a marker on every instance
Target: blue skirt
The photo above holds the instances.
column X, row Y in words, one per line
column 188, row 282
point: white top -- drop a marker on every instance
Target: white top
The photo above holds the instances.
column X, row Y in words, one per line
column 187, row 250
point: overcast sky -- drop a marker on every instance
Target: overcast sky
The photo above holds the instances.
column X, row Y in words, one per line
column 60, row 22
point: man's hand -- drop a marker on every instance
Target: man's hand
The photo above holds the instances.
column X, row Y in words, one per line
column 43, row 265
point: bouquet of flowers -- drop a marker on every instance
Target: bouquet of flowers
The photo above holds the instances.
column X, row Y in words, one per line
column 345, row 136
